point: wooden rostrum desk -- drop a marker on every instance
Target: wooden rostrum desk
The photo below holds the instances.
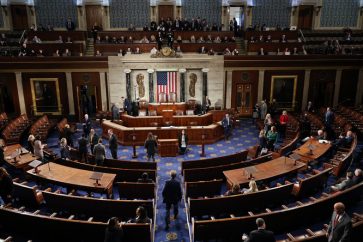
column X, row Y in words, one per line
column 213, row 132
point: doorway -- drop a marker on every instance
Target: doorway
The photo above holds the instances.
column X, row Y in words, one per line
column 20, row 17
column 244, row 102
column 238, row 13
column 6, row 100
column 93, row 15
column 306, row 13
column 166, row 11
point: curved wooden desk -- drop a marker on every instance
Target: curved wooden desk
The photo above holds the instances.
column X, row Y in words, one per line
column 175, row 120
column 22, row 157
column 213, row 133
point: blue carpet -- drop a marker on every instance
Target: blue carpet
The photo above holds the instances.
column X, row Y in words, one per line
column 242, row 138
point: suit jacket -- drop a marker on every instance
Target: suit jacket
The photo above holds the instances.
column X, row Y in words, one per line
column 180, row 140
column 2, row 160
column 113, row 142
column 70, row 26
column 94, row 140
column 225, row 122
column 99, row 152
column 341, row 232
column 150, row 146
column 261, row 235
column 329, row 118
column 87, row 126
column 172, row 191
column 82, row 145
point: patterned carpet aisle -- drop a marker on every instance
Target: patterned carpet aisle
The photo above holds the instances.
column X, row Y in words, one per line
column 243, row 137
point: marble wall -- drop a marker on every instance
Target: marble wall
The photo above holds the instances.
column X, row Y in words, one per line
column 193, row 63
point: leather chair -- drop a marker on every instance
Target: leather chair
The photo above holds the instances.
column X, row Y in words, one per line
column 172, row 97
column 162, row 97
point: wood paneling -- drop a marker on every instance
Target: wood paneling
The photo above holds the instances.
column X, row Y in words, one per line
column 299, row 87
column 348, row 86
column 305, row 16
column 93, row 15
column 9, row 94
column 92, row 79
column 166, row 11
column 244, row 77
column 62, row 89
column 321, row 88
column 20, row 17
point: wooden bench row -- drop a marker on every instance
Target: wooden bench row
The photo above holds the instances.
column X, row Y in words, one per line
column 185, row 35
column 50, row 48
column 15, row 129
column 278, row 220
column 99, row 208
column 54, row 35
column 41, row 127
column 114, row 49
column 53, row 227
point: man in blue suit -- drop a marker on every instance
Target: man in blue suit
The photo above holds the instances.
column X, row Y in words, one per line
column 172, row 194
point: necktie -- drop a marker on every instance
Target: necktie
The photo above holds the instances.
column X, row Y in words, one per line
column 336, row 220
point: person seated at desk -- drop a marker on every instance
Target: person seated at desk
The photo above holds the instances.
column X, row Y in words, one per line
column 262, row 52
column 321, row 135
column 252, row 187
column 150, row 146
column 346, row 183
column 64, row 149
column 141, row 216
column 227, row 126
column 203, row 50
column 144, row 178
column 183, row 142
column 30, row 145
column 114, row 232
column 344, row 141
column 235, row 190
column 283, row 39
column 271, row 137
column 6, row 186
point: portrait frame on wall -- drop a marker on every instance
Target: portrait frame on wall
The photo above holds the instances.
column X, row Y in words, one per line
column 283, row 89
column 45, row 96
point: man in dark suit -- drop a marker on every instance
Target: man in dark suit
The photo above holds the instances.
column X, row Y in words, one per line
column 67, row 133
column 340, row 226
column 87, row 125
column 328, row 121
column 70, row 25
column 100, row 153
column 82, row 148
column 172, row 194
column 127, row 106
column 112, row 142
column 261, row 234
column 93, row 139
column 183, row 142
column 227, row 126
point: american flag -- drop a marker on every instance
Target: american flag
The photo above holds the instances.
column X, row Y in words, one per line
column 166, row 82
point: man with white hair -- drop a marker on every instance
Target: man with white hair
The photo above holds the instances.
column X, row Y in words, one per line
column 340, row 226
column 86, row 125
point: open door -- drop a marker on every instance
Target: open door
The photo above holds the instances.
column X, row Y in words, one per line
column 19, row 17
column 93, row 15
column 305, row 17
column 166, row 11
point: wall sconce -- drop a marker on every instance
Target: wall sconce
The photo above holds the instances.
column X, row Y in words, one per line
column 249, row 8
column 317, row 10
column 80, row 10
column 293, row 10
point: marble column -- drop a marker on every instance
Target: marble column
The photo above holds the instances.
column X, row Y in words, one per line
column 338, row 79
column 261, row 79
column 182, row 84
column 151, row 85
column 306, row 89
column 70, row 95
column 128, row 83
column 205, row 85
column 19, row 85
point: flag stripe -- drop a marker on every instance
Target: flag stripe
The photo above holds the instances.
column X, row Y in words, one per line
column 166, row 83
